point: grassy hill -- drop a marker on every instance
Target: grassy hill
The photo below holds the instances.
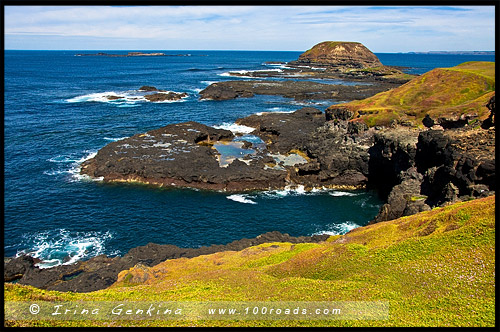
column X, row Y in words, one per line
column 435, row 268
column 464, row 89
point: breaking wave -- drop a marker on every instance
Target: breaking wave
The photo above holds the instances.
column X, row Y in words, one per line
column 338, row 229
column 62, row 247
column 69, row 165
column 241, row 199
column 235, row 128
column 129, row 98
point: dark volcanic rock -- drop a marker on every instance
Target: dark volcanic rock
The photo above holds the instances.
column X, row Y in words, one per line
column 336, row 156
column 148, row 88
column 445, row 166
column 285, row 131
column 181, row 155
column 405, row 198
column 301, row 148
column 114, row 97
column 101, row 272
column 450, row 121
column 455, row 162
column 298, row 90
column 338, row 113
column 165, row 96
column 490, row 121
column 17, row 267
column 393, row 152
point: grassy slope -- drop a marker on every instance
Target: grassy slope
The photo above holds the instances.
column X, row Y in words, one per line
column 436, row 269
column 464, row 89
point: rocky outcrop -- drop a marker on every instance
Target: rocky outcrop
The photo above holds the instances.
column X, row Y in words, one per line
column 184, row 155
column 392, row 152
column 412, row 169
column 404, row 198
column 440, row 168
column 490, row 121
column 334, row 60
column 298, row 90
column 165, row 96
column 157, row 96
column 102, row 271
column 457, row 164
column 339, row 54
column 336, row 155
column 300, row 148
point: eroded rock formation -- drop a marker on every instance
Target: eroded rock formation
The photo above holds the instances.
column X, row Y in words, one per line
column 339, row 54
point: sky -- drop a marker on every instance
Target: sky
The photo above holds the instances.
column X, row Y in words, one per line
column 382, row 29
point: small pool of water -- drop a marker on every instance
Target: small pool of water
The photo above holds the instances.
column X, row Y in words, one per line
column 229, row 151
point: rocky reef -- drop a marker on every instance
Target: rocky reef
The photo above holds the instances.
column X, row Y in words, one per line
column 300, row 148
column 435, row 168
column 298, row 90
column 156, row 96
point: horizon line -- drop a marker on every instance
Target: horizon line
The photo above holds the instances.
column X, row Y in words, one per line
column 231, row 50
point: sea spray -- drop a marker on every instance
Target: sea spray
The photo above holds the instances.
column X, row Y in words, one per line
column 64, row 247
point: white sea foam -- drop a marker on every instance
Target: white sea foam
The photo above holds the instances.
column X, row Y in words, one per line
column 63, row 247
column 235, row 128
column 274, row 110
column 71, row 165
column 342, row 193
column 98, row 97
column 279, row 65
column 338, row 229
column 241, row 73
column 209, row 82
column 129, row 98
column 292, row 191
column 241, row 198
column 114, row 139
column 232, row 73
column 310, row 103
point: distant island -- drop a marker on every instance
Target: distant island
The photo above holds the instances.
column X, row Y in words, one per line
column 457, row 52
column 132, row 54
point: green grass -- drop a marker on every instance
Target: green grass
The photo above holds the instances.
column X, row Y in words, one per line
column 463, row 89
column 435, row 268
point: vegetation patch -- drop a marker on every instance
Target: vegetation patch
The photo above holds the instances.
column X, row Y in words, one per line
column 445, row 277
column 461, row 90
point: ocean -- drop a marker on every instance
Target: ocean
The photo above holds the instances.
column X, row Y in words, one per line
column 56, row 116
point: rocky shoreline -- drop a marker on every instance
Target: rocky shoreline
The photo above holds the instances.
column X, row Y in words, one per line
column 101, row 271
column 297, row 90
column 414, row 167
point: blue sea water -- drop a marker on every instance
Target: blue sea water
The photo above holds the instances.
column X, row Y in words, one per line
column 55, row 117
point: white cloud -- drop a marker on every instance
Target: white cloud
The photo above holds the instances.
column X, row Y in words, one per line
column 260, row 27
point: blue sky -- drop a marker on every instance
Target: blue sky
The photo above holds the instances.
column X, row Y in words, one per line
column 287, row 28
